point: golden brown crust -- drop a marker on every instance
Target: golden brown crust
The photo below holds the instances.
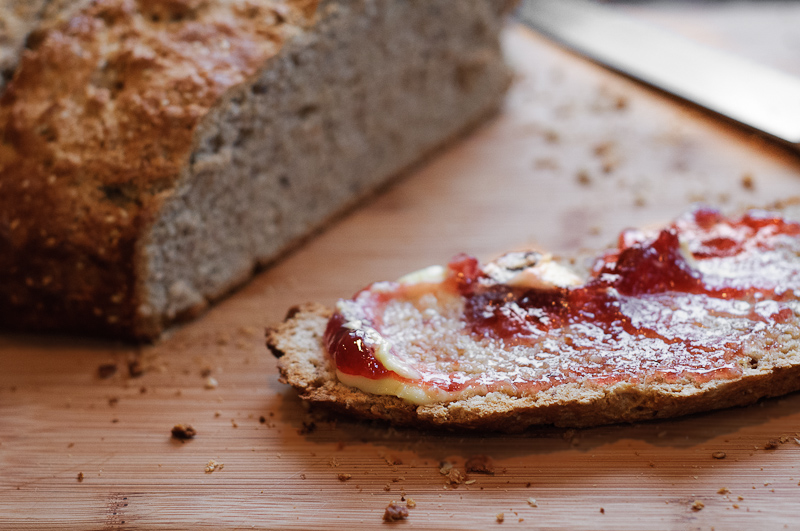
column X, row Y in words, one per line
column 306, row 366
column 95, row 128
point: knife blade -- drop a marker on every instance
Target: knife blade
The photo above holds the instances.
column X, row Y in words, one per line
column 751, row 94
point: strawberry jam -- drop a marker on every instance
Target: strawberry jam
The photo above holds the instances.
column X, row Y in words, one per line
column 351, row 353
column 686, row 303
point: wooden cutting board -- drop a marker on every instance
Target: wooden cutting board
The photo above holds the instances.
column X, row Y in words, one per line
column 576, row 155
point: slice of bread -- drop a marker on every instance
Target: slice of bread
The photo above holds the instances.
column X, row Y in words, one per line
column 153, row 154
column 770, row 366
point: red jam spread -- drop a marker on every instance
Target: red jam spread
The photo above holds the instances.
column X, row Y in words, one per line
column 691, row 302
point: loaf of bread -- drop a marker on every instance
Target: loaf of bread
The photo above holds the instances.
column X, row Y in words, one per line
column 699, row 316
column 154, row 152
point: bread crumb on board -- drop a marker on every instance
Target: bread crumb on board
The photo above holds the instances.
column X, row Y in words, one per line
column 135, row 368
column 697, row 505
column 453, row 475
column 212, row 466
column 183, row 432
column 410, row 503
column 394, row 512
column 479, row 464
column 719, row 455
column 106, row 370
column 500, row 517
column 80, row 477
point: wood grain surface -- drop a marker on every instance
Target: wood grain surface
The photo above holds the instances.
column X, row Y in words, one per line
column 576, row 155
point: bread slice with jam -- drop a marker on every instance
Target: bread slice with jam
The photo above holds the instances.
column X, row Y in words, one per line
column 699, row 315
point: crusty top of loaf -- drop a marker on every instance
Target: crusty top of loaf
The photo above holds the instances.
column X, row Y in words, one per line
column 99, row 121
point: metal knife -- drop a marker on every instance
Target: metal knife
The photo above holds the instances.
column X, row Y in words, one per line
column 762, row 98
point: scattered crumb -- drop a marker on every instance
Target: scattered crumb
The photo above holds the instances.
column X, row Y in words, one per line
column 735, row 505
column 532, row 502
column 583, row 178
column 107, row 370
column 262, row 419
column 135, row 369
column 308, row 427
column 213, row 465
column 545, row 163
column 387, row 488
column 552, row 137
column 333, row 462
column 183, row 432
column 345, row 477
column 772, row 444
column 247, row 331
column 747, row 181
column 697, row 505
column 719, row 455
column 479, row 464
column 603, row 149
column 205, row 372
column 80, row 477
column 394, row 512
column 500, row 517
column 453, row 475
column 211, row 383
column 234, row 423
column 602, row 511
column 410, row 503
column 113, row 401
column 723, row 490
column 740, row 498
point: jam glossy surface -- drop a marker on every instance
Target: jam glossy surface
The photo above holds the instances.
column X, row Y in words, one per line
column 350, row 352
column 682, row 304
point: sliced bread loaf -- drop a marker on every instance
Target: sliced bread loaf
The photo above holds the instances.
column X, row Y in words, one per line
column 701, row 315
column 152, row 154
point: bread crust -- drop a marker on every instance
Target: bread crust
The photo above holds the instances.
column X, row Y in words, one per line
column 304, row 363
column 90, row 153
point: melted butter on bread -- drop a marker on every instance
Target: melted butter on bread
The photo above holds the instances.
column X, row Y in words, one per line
column 529, row 270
